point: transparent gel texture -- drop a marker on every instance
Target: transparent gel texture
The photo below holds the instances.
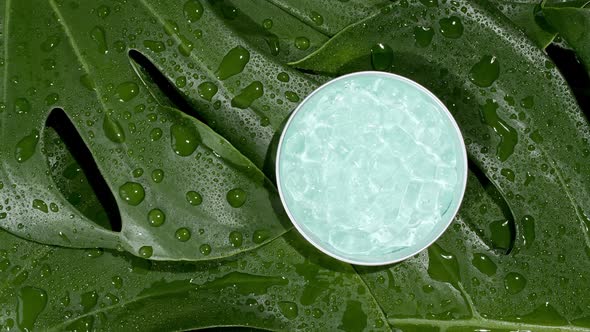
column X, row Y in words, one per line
column 371, row 168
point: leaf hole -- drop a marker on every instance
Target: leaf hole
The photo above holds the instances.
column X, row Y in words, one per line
column 501, row 230
column 164, row 91
column 76, row 174
column 574, row 73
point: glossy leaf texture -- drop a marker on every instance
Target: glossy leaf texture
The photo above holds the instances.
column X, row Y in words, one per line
column 177, row 184
column 529, row 139
column 573, row 24
column 285, row 285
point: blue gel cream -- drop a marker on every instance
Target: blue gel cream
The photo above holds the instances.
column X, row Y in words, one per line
column 371, row 168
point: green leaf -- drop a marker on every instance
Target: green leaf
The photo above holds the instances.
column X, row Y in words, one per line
column 573, row 24
column 331, row 16
column 285, row 285
column 177, row 184
column 531, row 141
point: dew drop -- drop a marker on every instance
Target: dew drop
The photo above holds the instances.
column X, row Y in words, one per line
column 514, row 283
column 508, row 135
column 113, row 129
column 291, row 96
column 205, row 249
column 207, row 90
column 236, row 239
column 233, row 63
column 156, row 217
column 103, row 11
column 146, row 251
column 267, row 24
column 182, row 234
column 31, row 302
column 423, row 36
column 528, row 230
column 381, row 56
column 51, row 99
column 40, row 205
column 99, row 37
column 248, row 95
column 317, row 18
column 193, row 10
column 283, row 77
column 484, row 264
column 194, row 198
column 236, row 197
column 260, row 236
column 157, row 175
column 26, row 147
column 184, row 139
column 154, row 46
column 451, row 27
column 155, row 134
column 289, row 309
column 22, row 106
column 127, row 91
column 430, row 3
column 132, row 193
column 485, row 72
column 137, row 172
column 273, row 43
column 50, row 43
column 302, row 43
column 117, row 282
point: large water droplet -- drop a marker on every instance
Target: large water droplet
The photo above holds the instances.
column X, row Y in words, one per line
column 157, row 175
column 267, row 24
column 155, row 134
column 103, row 11
column 451, row 27
column 207, row 90
column 205, row 249
column 236, row 197
column 248, row 95
column 485, row 72
column 25, row 148
column 154, row 46
column 514, row 282
column 423, row 36
column 528, row 230
column 184, row 139
column 146, row 251
column 127, row 91
column 233, row 62
column 194, row 198
column 113, row 129
column 31, row 301
column 236, row 239
column 117, row 282
column 260, row 236
column 22, row 106
column 40, row 205
column 156, row 217
column 289, row 309
column 273, row 43
column 182, row 234
column 508, row 135
column 99, row 36
column 381, row 56
column 302, row 43
column 484, row 264
column 193, row 10
column 317, row 18
column 132, row 193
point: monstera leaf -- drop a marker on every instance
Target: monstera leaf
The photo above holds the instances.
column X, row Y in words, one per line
column 185, row 101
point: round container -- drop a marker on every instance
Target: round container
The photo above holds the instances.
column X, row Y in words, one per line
column 371, row 168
